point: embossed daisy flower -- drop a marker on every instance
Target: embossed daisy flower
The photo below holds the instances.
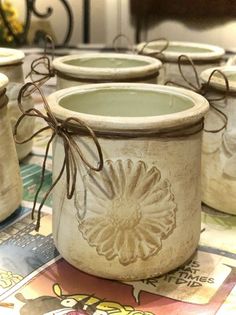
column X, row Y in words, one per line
column 129, row 211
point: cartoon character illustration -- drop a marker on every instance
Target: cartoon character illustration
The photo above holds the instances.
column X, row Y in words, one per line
column 74, row 304
column 8, row 279
column 40, row 306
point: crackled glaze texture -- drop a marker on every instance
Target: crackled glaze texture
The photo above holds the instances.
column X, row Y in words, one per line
column 130, row 210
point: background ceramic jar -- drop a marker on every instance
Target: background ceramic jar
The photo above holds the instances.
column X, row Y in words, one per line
column 105, row 67
column 11, row 61
column 219, row 149
column 10, row 184
column 140, row 216
column 204, row 56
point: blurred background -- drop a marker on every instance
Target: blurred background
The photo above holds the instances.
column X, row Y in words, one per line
column 75, row 22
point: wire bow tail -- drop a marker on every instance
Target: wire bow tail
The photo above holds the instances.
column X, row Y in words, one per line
column 72, row 151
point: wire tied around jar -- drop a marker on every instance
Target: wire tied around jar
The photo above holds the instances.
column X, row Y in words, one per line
column 156, row 53
column 62, row 129
column 41, row 67
column 203, row 88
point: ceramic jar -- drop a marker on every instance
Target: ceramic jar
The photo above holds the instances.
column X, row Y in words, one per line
column 105, row 67
column 10, row 185
column 139, row 216
column 204, row 56
column 11, row 61
column 219, row 149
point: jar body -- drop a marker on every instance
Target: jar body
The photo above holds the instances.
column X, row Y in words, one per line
column 137, row 218
column 170, row 71
column 16, row 80
column 219, row 158
column 14, row 72
column 11, row 185
column 204, row 56
column 63, row 83
column 26, row 127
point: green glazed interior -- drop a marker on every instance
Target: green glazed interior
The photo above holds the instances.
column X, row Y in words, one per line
column 106, row 62
column 231, row 76
column 180, row 49
column 126, row 103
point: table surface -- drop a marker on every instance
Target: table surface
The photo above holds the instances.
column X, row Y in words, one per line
column 36, row 280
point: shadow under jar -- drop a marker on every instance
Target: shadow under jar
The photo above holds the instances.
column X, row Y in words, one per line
column 219, row 149
column 204, row 56
column 11, row 61
column 105, row 67
column 140, row 215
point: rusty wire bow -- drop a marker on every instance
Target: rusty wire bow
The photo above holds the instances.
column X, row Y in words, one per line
column 155, row 53
column 41, row 67
column 3, row 98
column 64, row 130
column 129, row 46
column 202, row 88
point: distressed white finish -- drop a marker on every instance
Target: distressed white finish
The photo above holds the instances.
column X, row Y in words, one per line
column 10, row 185
column 10, row 65
column 210, row 56
column 219, row 149
column 140, row 73
column 140, row 216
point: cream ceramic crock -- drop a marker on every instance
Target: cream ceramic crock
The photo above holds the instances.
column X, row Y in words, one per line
column 140, row 216
column 10, row 183
column 105, row 67
column 11, row 61
column 219, row 149
column 204, row 56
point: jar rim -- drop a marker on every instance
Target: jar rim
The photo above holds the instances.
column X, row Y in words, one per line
column 217, row 81
column 10, row 56
column 211, row 52
column 151, row 67
column 136, row 124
